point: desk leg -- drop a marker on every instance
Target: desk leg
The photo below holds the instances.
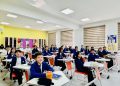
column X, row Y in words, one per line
column 27, row 75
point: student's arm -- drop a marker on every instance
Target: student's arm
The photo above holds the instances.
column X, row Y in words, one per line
column 34, row 74
column 49, row 68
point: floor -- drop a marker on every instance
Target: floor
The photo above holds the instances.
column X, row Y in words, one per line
column 76, row 81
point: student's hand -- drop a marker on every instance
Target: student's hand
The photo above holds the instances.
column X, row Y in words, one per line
column 49, row 75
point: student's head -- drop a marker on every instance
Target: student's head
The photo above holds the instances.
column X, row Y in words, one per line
column 100, row 49
column 52, row 45
column 76, row 48
column 8, row 48
column 92, row 51
column 1, row 46
column 78, row 54
column 13, row 50
column 18, row 53
column 104, row 48
column 60, row 50
column 87, row 47
column 39, row 57
column 82, row 46
column 28, row 46
column 46, row 48
column 92, row 47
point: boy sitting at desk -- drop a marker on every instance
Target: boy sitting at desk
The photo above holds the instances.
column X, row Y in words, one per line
column 39, row 68
column 92, row 56
column 17, row 60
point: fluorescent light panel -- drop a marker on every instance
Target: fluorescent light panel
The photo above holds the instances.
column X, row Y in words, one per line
column 11, row 15
column 5, row 23
column 67, row 11
column 85, row 19
column 40, row 22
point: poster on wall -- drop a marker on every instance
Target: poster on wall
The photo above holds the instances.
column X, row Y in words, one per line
column 112, row 43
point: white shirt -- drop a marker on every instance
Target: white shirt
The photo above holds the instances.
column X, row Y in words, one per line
column 28, row 50
column 18, row 62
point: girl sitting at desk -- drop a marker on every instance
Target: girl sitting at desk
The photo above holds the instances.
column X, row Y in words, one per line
column 60, row 55
column 79, row 63
column 17, row 60
column 39, row 68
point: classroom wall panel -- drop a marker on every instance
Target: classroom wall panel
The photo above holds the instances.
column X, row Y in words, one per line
column 51, row 39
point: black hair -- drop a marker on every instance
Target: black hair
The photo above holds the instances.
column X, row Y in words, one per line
column 37, row 54
column 18, row 51
column 77, row 53
column 60, row 49
column 92, row 50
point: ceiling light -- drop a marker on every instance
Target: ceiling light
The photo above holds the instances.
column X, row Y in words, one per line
column 57, row 26
column 5, row 23
column 67, row 11
column 85, row 19
column 40, row 22
column 11, row 15
column 27, row 26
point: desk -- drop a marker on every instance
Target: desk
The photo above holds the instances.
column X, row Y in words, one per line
column 93, row 64
column 102, row 59
column 23, row 67
column 7, row 60
column 51, row 56
column 61, row 81
column 66, row 60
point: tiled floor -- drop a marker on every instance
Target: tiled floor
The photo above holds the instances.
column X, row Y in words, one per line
column 76, row 81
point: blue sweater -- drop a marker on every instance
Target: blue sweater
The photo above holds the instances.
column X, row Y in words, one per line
column 35, row 71
column 45, row 53
column 92, row 57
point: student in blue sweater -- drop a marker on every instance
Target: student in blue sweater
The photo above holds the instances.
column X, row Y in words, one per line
column 39, row 67
column 46, row 52
column 75, row 52
column 17, row 60
column 60, row 55
column 11, row 54
column 92, row 56
column 79, row 64
column 87, row 51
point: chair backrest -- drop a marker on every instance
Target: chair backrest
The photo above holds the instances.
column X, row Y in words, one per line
column 51, row 61
column 69, row 65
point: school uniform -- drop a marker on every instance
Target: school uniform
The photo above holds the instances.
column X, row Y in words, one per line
column 82, row 50
column 46, row 53
column 87, row 51
column 37, row 71
column 18, row 72
column 75, row 54
column 10, row 55
column 92, row 57
column 110, row 63
column 79, row 64
column 65, row 50
column 100, row 53
column 60, row 63
column 52, row 49
column 35, row 50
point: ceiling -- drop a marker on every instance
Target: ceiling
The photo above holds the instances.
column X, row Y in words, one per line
column 49, row 11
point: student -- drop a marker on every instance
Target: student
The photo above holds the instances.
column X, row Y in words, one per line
column 52, row 49
column 100, row 53
column 46, row 52
column 82, row 48
column 70, row 49
column 12, row 53
column 79, row 64
column 60, row 55
column 39, row 67
column 8, row 48
column 92, row 56
column 87, row 51
column 75, row 52
column 27, row 50
column 35, row 50
column 55, row 48
column 105, row 53
column 17, row 60
column 65, row 49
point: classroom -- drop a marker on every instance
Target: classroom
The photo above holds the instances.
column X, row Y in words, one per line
column 59, row 43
